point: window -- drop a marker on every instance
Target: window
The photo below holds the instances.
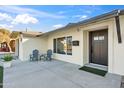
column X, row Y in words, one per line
column 96, row 38
column 99, row 38
column 54, row 45
column 69, row 45
column 63, row 45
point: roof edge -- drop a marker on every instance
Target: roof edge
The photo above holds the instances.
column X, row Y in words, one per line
column 90, row 20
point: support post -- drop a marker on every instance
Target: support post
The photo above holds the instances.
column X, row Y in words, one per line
column 117, row 21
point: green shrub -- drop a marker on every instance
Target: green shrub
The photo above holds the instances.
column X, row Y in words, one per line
column 7, row 58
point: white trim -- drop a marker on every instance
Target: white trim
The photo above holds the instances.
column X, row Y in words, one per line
column 90, row 30
column 1, row 53
column 102, row 67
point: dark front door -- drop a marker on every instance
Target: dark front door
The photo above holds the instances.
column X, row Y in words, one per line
column 99, row 47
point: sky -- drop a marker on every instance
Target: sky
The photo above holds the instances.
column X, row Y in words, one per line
column 44, row 18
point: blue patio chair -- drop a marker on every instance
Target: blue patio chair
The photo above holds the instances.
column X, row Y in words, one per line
column 49, row 55
column 35, row 55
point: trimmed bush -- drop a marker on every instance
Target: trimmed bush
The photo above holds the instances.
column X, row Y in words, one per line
column 7, row 58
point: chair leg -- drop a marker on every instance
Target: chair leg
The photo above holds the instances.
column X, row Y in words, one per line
column 30, row 59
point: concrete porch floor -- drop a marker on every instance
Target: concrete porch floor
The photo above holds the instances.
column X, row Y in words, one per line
column 55, row 74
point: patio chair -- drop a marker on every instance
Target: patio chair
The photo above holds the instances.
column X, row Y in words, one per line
column 35, row 55
column 48, row 55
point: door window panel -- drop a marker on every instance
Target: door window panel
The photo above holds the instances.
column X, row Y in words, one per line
column 96, row 38
column 101, row 37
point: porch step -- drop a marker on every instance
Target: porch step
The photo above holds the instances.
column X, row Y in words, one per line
column 97, row 66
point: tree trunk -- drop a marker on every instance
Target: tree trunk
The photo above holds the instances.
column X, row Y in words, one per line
column 9, row 46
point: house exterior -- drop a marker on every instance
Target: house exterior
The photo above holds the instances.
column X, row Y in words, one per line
column 99, row 40
column 28, row 42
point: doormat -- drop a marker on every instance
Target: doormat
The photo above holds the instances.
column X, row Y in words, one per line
column 93, row 70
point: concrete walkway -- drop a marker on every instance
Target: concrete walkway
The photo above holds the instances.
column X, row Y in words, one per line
column 55, row 74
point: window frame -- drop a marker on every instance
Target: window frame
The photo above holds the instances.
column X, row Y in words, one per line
column 56, row 50
column 54, row 45
column 67, row 38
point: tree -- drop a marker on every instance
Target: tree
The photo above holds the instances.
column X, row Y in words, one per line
column 14, row 35
column 7, row 36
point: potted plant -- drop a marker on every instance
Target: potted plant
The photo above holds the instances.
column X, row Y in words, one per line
column 7, row 61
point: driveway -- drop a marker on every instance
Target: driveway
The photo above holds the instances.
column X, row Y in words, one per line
column 55, row 74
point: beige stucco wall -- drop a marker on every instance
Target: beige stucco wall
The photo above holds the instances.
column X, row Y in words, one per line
column 30, row 43
column 77, row 51
column 119, row 50
column 21, row 48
